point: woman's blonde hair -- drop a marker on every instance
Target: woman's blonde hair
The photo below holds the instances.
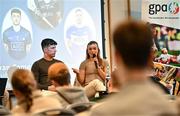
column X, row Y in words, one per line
column 24, row 82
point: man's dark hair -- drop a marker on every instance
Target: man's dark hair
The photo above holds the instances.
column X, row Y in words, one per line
column 15, row 11
column 46, row 42
column 62, row 77
column 133, row 42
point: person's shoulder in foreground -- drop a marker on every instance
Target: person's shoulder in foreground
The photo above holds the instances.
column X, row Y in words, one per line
column 138, row 96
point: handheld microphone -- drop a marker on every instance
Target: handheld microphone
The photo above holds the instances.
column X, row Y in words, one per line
column 94, row 55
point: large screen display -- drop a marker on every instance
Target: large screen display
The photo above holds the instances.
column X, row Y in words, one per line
column 72, row 23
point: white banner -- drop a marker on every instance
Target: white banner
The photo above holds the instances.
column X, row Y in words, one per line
column 163, row 12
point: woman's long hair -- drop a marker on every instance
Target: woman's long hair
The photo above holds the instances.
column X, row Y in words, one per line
column 23, row 81
column 98, row 55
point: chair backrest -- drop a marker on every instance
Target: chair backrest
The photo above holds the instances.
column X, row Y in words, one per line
column 80, row 107
column 3, row 82
column 55, row 112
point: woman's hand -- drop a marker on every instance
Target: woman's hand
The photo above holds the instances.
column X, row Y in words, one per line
column 80, row 75
column 75, row 70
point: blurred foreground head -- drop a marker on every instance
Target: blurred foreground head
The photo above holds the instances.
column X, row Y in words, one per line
column 133, row 42
column 23, row 81
column 59, row 74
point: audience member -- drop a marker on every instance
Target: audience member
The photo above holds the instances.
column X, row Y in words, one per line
column 138, row 95
column 59, row 75
column 29, row 99
column 40, row 67
column 92, row 72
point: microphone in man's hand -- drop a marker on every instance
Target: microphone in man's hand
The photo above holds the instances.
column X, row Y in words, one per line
column 94, row 55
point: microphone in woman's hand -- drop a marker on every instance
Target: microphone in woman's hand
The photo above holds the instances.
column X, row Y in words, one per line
column 94, row 55
column 95, row 62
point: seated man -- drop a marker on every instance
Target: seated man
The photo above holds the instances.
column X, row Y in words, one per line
column 59, row 75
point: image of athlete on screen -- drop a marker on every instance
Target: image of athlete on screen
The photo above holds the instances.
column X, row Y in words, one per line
column 79, row 29
column 78, row 33
column 47, row 13
column 17, row 40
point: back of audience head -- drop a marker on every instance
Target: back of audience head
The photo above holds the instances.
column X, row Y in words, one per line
column 133, row 42
column 59, row 75
column 23, row 84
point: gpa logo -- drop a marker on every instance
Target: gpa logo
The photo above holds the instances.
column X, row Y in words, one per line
column 172, row 7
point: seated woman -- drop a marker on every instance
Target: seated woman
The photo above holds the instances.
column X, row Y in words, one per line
column 29, row 99
column 92, row 72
